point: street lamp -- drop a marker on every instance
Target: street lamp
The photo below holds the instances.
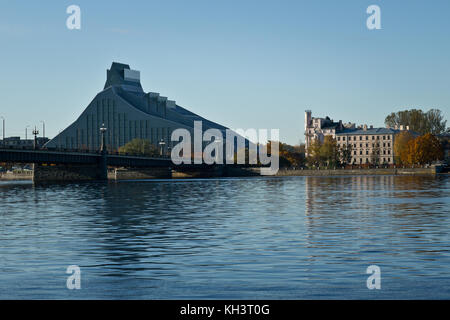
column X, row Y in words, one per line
column 162, row 143
column 3, row 119
column 102, row 131
column 26, row 132
column 43, row 128
column 35, row 133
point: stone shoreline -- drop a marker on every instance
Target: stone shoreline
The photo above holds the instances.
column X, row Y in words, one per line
column 139, row 174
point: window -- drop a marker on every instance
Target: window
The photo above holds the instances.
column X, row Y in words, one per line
column 367, row 152
column 389, row 159
column 373, row 137
column 338, row 139
column 360, row 152
column 378, row 137
column 360, row 137
column 354, row 152
column 367, row 145
column 367, row 137
column 343, row 138
column 360, row 145
column 389, row 151
column 389, row 144
column 384, row 144
column 384, row 137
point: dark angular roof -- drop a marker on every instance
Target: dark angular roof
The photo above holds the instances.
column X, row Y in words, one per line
column 115, row 77
column 368, row 131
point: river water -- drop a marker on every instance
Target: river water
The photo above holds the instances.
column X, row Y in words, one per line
column 244, row 238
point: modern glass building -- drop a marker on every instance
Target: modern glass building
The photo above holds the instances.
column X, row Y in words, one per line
column 128, row 113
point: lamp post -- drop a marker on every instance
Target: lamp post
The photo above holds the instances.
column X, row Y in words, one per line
column 43, row 128
column 3, row 119
column 35, row 133
column 103, row 159
column 26, row 132
column 103, row 146
column 162, row 143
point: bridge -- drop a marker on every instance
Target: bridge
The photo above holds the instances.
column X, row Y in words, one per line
column 78, row 165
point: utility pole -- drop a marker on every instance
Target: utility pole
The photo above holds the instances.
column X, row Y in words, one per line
column 43, row 128
column 3, row 140
column 103, row 165
column 26, row 132
column 162, row 143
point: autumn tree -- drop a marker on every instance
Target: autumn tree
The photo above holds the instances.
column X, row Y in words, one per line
column 292, row 156
column 314, row 155
column 424, row 150
column 140, row 147
column 401, row 147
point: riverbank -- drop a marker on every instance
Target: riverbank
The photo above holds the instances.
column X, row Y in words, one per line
column 121, row 174
column 355, row 172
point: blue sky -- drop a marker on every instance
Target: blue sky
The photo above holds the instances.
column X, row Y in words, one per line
column 244, row 64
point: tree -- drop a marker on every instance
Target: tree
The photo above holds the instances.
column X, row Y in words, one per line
column 346, row 154
column 140, row 147
column 330, row 151
column 292, row 156
column 431, row 121
column 435, row 121
column 424, row 150
column 375, row 155
column 314, row 156
column 401, row 147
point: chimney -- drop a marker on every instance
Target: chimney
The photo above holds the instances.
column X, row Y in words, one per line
column 365, row 127
column 401, row 127
column 371, row 126
column 396, row 127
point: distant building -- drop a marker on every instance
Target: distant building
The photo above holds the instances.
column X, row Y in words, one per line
column 369, row 145
column 16, row 142
column 128, row 113
column 444, row 138
column 318, row 128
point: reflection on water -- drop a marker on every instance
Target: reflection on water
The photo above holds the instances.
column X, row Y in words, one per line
column 275, row 238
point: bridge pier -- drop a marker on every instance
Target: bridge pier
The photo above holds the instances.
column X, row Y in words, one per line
column 66, row 173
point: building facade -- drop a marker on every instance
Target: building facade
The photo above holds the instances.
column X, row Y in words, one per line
column 318, row 128
column 128, row 113
column 368, row 145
